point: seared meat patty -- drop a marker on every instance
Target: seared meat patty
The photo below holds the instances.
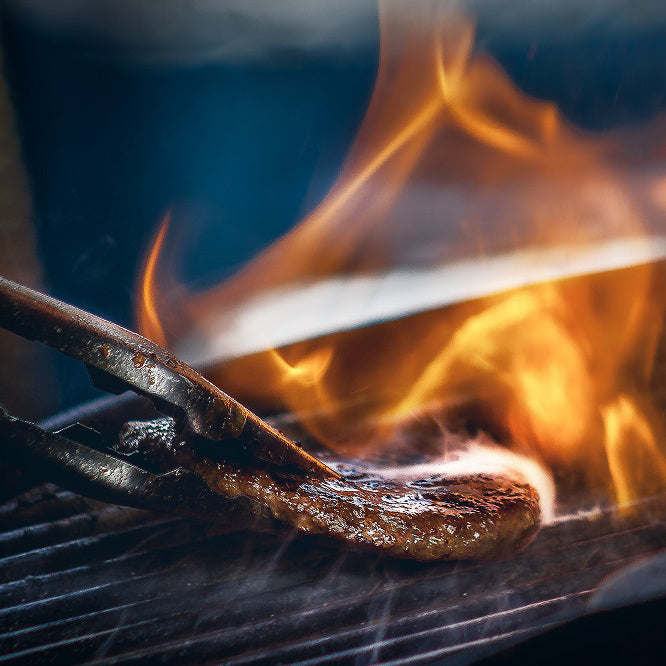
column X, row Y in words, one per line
column 472, row 516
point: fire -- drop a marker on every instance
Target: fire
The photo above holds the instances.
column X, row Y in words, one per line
column 636, row 464
column 455, row 171
column 147, row 316
column 519, row 348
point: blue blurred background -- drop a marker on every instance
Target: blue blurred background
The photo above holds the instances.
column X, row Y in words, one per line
column 238, row 121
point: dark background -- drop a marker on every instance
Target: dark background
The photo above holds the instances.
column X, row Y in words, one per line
column 240, row 148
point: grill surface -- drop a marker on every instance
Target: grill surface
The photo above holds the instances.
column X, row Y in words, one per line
column 81, row 581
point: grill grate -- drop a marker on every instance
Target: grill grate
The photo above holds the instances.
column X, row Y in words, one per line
column 82, row 581
column 97, row 583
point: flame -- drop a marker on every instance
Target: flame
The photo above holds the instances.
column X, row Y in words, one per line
column 147, row 316
column 634, row 459
column 454, row 164
column 519, row 346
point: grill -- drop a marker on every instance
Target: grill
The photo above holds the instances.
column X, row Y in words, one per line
column 110, row 143
column 82, row 581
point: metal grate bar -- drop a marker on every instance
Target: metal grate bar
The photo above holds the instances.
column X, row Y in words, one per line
column 250, row 628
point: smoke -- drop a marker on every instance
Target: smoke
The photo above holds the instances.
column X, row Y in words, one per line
column 195, row 31
column 560, row 20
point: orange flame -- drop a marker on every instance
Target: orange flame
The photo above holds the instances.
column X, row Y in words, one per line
column 147, row 316
column 453, row 162
column 636, row 464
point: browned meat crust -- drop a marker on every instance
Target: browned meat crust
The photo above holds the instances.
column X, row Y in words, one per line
column 462, row 517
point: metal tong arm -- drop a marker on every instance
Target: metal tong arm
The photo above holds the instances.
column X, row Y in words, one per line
column 148, row 369
column 108, row 478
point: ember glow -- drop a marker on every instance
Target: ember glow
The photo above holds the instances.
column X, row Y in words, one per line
column 459, row 191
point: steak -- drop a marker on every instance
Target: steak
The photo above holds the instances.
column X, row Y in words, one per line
column 379, row 507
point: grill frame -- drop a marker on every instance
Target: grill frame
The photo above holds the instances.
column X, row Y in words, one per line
column 82, row 581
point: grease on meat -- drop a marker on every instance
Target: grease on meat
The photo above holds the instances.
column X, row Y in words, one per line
column 471, row 516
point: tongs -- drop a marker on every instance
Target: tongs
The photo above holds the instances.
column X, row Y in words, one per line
column 119, row 359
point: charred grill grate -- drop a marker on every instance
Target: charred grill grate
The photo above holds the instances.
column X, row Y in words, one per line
column 82, row 581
